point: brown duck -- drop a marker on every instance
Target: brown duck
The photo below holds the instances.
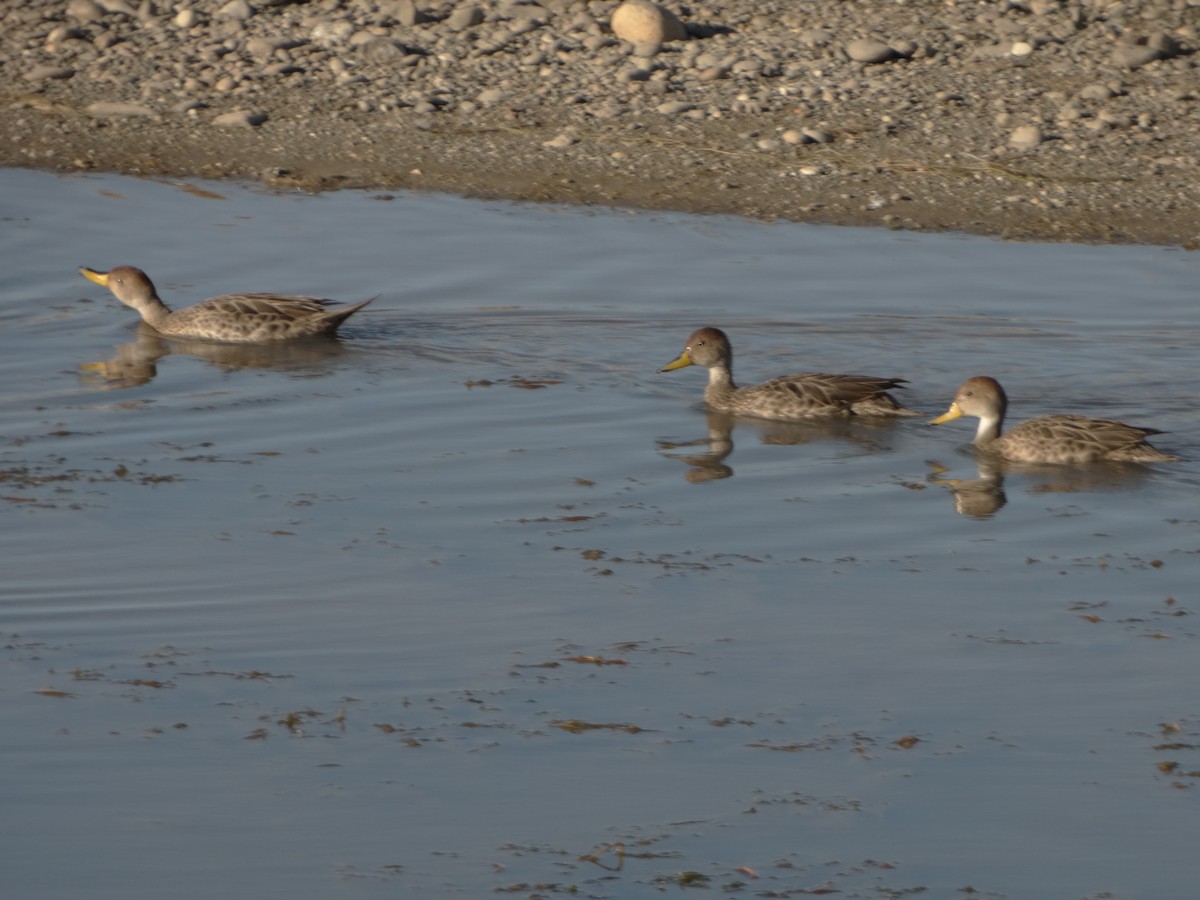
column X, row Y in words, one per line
column 804, row 395
column 1048, row 439
column 236, row 318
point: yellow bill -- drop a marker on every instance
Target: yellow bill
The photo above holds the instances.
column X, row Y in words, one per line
column 684, row 360
column 101, row 278
column 949, row 415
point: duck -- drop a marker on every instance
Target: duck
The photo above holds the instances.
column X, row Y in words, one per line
column 1062, row 438
column 788, row 398
column 232, row 318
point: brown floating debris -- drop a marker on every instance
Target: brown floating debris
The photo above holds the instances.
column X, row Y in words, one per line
column 578, row 726
column 597, row 660
column 528, row 384
column 594, row 857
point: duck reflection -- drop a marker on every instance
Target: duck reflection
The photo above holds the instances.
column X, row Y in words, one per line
column 708, row 465
column 136, row 363
column 978, row 498
column 983, row 496
column 869, row 433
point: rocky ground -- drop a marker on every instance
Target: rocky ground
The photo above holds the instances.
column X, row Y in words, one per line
column 1058, row 119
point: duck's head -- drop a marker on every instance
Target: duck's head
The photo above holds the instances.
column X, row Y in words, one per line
column 980, row 397
column 706, row 347
column 129, row 285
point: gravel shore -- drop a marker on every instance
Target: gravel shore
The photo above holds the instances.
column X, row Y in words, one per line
column 1033, row 119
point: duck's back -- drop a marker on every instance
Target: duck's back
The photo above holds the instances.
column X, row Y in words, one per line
column 1079, row 439
column 810, row 394
column 258, row 318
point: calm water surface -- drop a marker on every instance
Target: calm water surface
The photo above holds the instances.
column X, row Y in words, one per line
column 473, row 600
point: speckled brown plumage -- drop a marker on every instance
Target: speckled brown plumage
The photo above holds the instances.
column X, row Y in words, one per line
column 235, row 318
column 1048, row 439
column 804, row 395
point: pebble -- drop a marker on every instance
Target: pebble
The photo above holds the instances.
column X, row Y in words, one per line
column 107, row 108
column 464, row 17
column 49, row 73
column 816, row 37
column 406, row 13
column 560, row 142
column 640, row 21
column 63, row 33
column 1069, row 112
column 329, row 34
column 85, row 10
column 675, row 108
column 1025, row 137
column 1096, row 92
column 1135, row 56
column 238, row 10
column 260, row 48
column 381, row 50
column 118, row 6
column 240, row 118
column 869, row 51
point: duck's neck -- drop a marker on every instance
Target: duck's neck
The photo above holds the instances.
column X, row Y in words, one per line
column 154, row 312
column 989, row 429
column 720, row 381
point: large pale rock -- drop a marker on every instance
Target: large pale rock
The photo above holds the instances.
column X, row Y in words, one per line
column 49, row 73
column 865, row 50
column 465, row 17
column 1025, row 138
column 116, row 109
column 407, row 14
column 643, row 22
column 1134, row 56
column 85, row 10
column 240, row 118
column 239, row 10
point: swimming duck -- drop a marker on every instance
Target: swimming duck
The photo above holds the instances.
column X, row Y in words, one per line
column 240, row 318
column 1048, row 439
column 804, row 395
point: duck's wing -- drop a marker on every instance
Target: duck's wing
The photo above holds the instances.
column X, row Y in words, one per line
column 1073, row 438
column 260, row 317
column 853, row 393
column 807, row 394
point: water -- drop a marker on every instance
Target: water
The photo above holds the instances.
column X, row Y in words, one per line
column 473, row 600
